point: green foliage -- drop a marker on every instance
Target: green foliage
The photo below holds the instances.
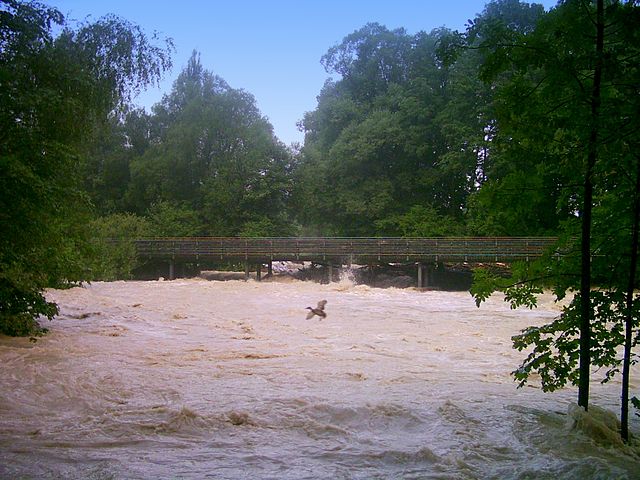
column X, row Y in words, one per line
column 555, row 353
column 53, row 92
column 24, row 324
column 263, row 227
column 369, row 60
column 563, row 158
column 522, row 295
column 21, row 305
column 519, row 204
column 484, row 285
column 109, row 155
column 173, row 220
column 209, row 162
column 376, row 147
column 420, row 221
column 555, row 346
column 120, row 57
column 205, row 162
column 408, row 128
column 113, row 252
column 520, row 288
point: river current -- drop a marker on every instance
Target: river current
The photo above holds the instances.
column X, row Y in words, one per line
column 228, row 380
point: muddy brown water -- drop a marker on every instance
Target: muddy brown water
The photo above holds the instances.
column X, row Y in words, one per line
column 227, row 380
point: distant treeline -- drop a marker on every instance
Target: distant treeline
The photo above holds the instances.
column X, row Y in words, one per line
column 404, row 141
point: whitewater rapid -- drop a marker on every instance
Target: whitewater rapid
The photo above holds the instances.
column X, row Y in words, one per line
column 227, row 380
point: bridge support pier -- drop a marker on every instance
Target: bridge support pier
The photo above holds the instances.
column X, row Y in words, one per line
column 330, row 273
column 246, row 270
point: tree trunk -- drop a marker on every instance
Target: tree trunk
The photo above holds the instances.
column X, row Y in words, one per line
column 592, row 154
column 626, row 363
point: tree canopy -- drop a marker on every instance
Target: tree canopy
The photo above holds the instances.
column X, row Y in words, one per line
column 566, row 99
column 404, row 135
column 53, row 91
column 204, row 162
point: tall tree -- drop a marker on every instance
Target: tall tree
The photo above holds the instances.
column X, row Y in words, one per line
column 571, row 103
column 587, row 207
column 375, row 137
column 213, row 153
column 630, row 316
column 113, row 147
column 53, row 90
column 403, row 135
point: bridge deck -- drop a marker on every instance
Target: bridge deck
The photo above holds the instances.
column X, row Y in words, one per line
column 347, row 250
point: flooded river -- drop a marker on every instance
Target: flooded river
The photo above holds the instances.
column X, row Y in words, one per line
column 228, row 380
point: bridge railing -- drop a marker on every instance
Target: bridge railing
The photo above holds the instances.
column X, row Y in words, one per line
column 347, row 249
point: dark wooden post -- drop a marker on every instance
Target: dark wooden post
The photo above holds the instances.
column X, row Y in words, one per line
column 172, row 269
column 246, row 270
column 270, row 268
column 259, row 272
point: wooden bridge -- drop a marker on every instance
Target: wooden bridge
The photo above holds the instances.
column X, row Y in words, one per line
column 337, row 251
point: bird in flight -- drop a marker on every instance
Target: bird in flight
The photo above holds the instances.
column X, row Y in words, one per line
column 319, row 310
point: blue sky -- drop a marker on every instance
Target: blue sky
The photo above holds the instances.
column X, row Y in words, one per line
column 271, row 49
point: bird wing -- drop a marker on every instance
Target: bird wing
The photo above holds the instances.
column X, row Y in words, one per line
column 321, row 304
column 310, row 314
